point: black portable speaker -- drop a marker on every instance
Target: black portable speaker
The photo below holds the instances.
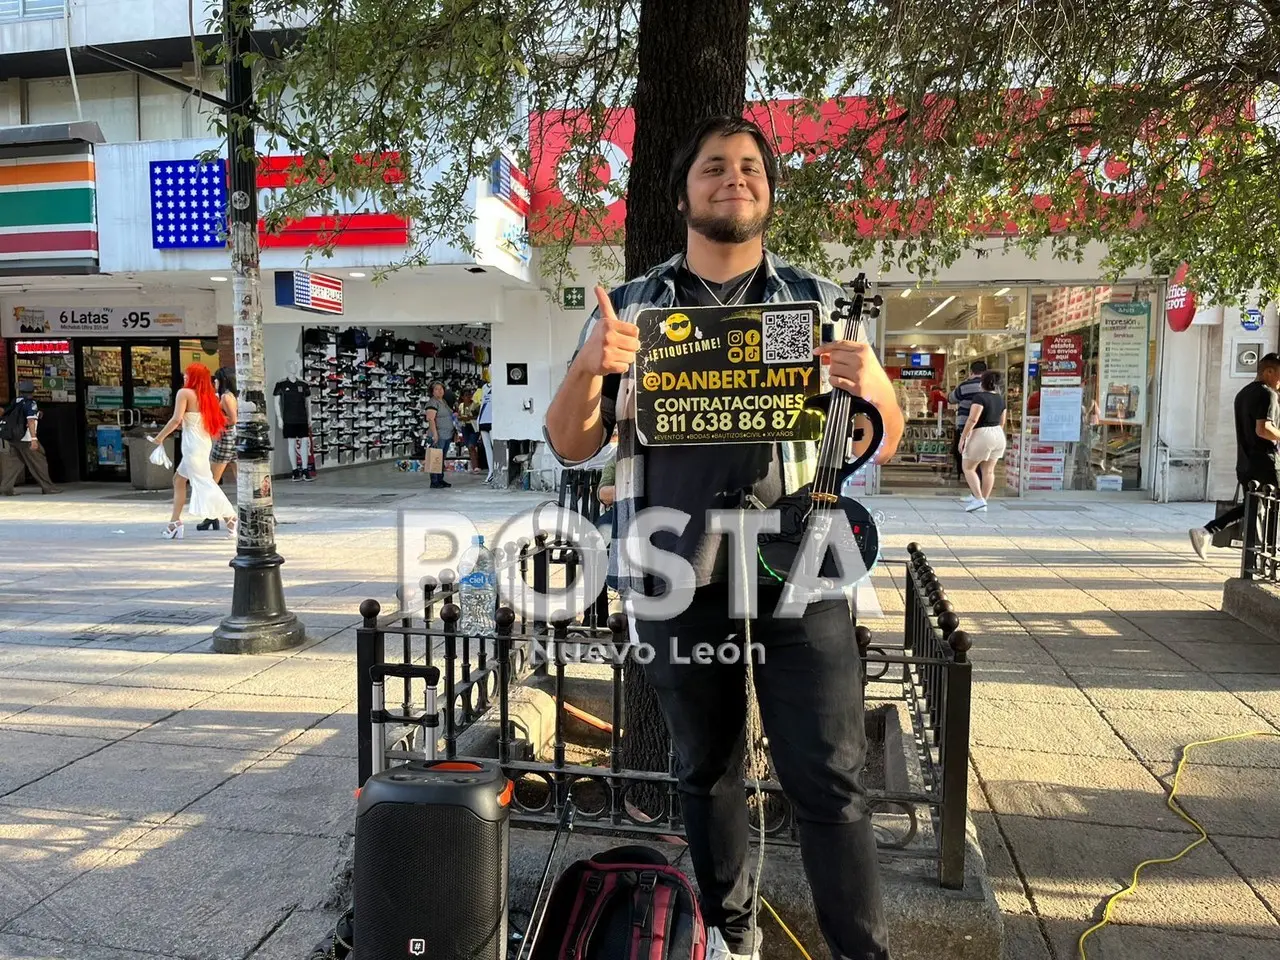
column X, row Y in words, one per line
column 431, row 852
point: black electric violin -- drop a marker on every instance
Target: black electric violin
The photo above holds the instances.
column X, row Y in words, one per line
column 817, row 508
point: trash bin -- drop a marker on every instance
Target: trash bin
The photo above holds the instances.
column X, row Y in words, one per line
column 143, row 474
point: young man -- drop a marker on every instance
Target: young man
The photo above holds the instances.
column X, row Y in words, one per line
column 808, row 683
column 962, row 399
column 1257, row 412
column 26, row 452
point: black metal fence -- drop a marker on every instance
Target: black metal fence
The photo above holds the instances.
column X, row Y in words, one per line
column 928, row 672
column 1261, row 555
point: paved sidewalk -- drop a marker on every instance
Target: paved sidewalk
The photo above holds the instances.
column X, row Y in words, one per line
column 160, row 800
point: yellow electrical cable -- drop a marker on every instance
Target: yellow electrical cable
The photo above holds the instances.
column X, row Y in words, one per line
column 1172, row 804
column 786, row 929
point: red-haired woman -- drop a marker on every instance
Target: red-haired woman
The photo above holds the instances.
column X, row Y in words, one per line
column 198, row 413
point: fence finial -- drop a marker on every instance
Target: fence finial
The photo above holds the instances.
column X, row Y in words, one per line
column 370, row 609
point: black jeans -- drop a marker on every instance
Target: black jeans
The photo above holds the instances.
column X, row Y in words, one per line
column 809, row 687
column 1236, row 514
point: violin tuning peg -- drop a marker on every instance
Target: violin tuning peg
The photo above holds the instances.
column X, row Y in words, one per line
column 877, row 300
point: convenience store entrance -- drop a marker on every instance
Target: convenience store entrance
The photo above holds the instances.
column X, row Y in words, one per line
column 929, row 341
column 124, row 385
column 1077, row 370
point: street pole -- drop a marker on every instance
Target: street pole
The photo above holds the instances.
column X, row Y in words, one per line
column 259, row 621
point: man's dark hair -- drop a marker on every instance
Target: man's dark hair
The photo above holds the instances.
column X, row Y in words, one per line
column 725, row 127
column 977, row 367
column 1269, row 362
column 991, row 380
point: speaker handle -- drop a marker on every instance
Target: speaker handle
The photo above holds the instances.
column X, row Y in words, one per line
column 431, row 722
column 379, row 744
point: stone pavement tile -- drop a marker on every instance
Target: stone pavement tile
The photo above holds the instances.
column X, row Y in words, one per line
column 1016, row 682
column 1044, row 727
column 1157, row 737
column 1046, row 600
column 137, row 781
column 1171, row 690
column 1084, row 627
column 1118, row 653
column 18, row 695
column 340, row 646
column 1149, row 598
column 1005, row 883
column 1023, row 940
column 1260, row 692
column 14, row 655
column 37, row 948
column 283, row 793
column 209, row 894
column 197, row 671
column 44, row 849
column 1219, row 629
column 1085, row 789
column 1125, row 942
column 81, row 665
column 1258, row 861
column 298, row 936
column 1231, row 801
column 1001, row 646
column 334, row 736
column 25, row 757
column 1071, row 870
column 304, row 678
column 173, row 640
column 970, row 601
column 102, row 710
column 239, row 721
column 1217, row 657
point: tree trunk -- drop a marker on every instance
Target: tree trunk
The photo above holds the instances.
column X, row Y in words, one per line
column 693, row 65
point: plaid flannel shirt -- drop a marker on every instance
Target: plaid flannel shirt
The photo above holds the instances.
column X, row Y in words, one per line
column 784, row 283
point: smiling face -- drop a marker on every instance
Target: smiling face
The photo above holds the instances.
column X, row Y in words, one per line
column 728, row 190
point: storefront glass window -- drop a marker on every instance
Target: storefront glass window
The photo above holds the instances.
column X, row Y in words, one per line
column 1091, row 382
column 930, row 340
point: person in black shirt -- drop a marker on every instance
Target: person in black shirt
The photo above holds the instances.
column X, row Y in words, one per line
column 983, row 441
column 26, row 452
column 1257, row 414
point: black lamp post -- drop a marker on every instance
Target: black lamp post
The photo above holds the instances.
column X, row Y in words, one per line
column 259, row 621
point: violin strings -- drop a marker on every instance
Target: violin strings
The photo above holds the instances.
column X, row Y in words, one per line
column 829, row 466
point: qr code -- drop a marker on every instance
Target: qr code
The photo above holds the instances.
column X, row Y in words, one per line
column 788, row 336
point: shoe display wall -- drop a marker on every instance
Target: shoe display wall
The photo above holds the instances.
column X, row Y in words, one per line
column 368, row 392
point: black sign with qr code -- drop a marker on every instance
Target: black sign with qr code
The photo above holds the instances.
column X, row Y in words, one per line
column 738, row 374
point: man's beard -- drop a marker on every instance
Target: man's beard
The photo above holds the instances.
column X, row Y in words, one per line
column 730, row 229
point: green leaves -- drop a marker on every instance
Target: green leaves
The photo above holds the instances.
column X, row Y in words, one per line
column 1149, row 125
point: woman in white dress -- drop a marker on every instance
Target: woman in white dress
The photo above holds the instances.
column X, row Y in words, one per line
column 199, row 414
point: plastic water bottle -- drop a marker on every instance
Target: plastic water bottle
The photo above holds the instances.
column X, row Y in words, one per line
column 478, row 588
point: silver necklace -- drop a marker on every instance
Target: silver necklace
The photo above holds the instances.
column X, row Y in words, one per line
column 734, row 300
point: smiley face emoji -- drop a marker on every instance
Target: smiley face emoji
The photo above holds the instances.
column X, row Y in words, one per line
column 678, row 326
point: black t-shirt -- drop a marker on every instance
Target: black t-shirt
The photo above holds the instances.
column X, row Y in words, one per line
column 293, row 400
column 695, row 479
column 993, row 406
column 1256, row 458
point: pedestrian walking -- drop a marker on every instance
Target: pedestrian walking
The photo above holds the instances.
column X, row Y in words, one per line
column 198, row 413
column 223, row 453
column 961, row 397
column 24, row 451
column 484, row 423
column 1257, row 416
column 982, row 441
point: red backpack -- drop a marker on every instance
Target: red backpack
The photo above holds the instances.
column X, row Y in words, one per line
column 627, row 903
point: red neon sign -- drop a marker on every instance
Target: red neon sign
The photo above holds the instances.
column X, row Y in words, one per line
column 41, row 347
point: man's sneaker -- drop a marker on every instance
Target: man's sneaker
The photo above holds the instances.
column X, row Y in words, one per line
column 718, row 950
column 1199, row 537
column 973, row 503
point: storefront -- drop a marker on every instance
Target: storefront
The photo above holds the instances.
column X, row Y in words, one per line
column 1077, row 365
column 102, row 369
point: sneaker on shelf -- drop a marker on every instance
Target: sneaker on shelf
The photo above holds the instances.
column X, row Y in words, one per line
column 1200, row 538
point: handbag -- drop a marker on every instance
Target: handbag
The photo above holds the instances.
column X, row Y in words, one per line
column 1231, row 537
